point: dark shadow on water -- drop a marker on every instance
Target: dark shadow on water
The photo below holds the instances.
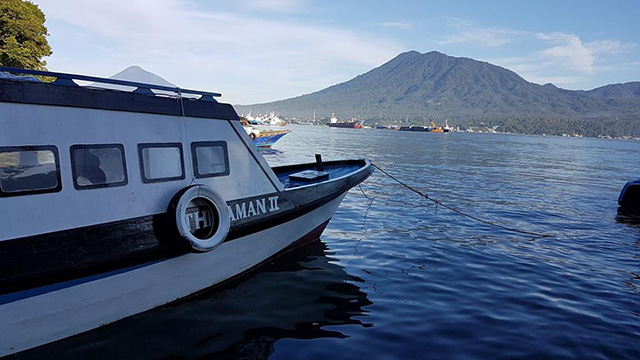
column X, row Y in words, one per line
column 269, row 151
column 628, row 217
column 294, row 297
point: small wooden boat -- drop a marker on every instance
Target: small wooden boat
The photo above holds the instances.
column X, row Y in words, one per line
column 116, row 202
column 266, row 138
column 261, row 137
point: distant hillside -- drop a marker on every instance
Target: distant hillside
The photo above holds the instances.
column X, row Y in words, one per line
column 629, row 90
column 414, row 87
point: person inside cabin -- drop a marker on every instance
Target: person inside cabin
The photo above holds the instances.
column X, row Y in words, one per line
column 88, row 170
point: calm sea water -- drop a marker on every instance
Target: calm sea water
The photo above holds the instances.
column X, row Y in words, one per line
column 400, row 278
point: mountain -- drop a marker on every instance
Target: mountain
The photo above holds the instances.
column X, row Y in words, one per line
column 414, row 87
column 138, row 74
column 627, row 90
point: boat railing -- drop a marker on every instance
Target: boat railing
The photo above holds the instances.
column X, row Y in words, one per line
column 64, row 79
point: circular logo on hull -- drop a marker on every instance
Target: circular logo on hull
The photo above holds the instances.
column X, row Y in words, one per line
column 201, row 216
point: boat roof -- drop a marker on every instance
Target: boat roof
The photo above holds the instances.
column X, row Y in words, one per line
column 147, row 98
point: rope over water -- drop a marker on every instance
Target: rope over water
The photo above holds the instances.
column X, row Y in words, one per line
column 438, row 202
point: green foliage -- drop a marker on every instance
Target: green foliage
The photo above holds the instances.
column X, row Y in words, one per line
column 23, row 36
column 559, row 126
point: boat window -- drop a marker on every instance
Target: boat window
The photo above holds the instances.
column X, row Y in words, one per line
column 210, row 158
column 161, row 162
column 29, row 170
column 97, row 166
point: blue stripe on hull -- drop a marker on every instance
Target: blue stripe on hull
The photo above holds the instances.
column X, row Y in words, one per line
column 267, row 141
column 20, row 295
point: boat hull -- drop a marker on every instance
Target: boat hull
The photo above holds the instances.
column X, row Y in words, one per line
column 269, row 139
column 77, row 306
column 346, row 125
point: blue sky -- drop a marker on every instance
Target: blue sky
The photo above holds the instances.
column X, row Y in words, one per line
column 257, row 51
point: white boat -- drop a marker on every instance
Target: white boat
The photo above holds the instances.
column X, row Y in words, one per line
column 262, row 138
column 274, row 120
column 117, row 202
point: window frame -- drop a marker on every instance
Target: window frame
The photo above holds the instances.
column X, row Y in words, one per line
column 73, row 148
column 194, row 158
column 56, row 157
column 143, row 146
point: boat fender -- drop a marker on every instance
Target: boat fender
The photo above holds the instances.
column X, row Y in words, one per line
column 201, row 217
column 252, row 136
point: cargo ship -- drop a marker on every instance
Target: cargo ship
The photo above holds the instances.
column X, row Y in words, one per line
column 414, row 128
column 351, row 124
column 433, row 128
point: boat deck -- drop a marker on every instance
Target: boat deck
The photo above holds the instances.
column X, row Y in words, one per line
column 335, row 169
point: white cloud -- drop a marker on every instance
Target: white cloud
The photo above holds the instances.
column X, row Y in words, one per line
column 469, row 32
column 566, row 64
column 272, row 5
column 561, row 81
column 539, row 68
column 249, row 59
column 609, row 46
column 561, row 52
column 405, row 25
column 572, row 53
column 560, row 58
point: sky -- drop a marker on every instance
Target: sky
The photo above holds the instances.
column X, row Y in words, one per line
column 256, row 51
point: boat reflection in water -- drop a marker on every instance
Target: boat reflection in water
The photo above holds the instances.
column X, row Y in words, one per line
column 630, row 218
column 269, row 151
column 292, row 297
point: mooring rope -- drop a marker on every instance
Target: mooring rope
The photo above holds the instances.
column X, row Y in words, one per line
column 438, row 202
column 302, row 139
column 186, row 134
column 371, row 199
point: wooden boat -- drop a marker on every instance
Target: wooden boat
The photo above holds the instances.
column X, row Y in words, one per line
column 116, row 202
column 266, row 138
column 261, row 137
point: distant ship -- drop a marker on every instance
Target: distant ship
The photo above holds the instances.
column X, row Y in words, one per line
column 446, row 127
column 414, row 128
column 270, row 119
column 351, row 124
column 433, row 128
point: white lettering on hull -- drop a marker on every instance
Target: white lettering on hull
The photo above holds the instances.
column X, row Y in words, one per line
column 253, row 208
column 199, row 220
column 273, row 203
